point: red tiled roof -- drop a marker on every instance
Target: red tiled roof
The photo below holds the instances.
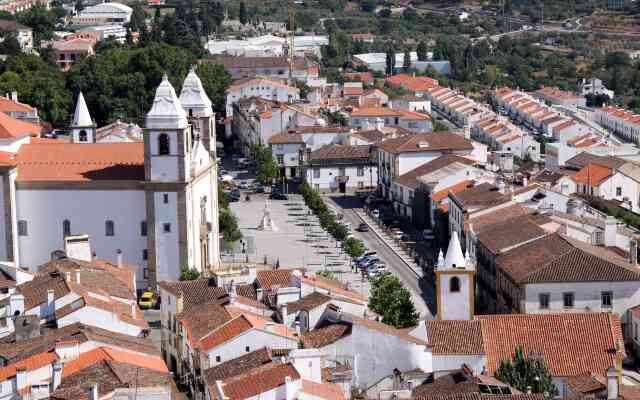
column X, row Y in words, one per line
column 444, row 193
column 89, row 358
column 455, row 337
column 341, row 152
column 7, row 159
column 8, row 106
column 410, row 179
column 258, row 380
column 32, row 363
column 81, row 162
column 325, row 335
column 325, row 391
column 437, row 141
column 11, row 128
column 276, row 277
column 224, row 333
column 592, row 175
column 571, row 344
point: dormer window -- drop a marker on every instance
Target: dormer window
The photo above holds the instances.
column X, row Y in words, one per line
column 163, row 144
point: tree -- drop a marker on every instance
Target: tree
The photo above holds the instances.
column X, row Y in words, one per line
column 406, row 64
column 353, row 247
column 243, row 13
column 392, row 300
column 188, row 274
column 368, row 5
column 326, row 274
column 267, row 167
column 228, row 223
column 10, row 45
column 422, row 51
column 527, row 373
column 384, row 13
column 138, row 18
column 41, row 20
column 129, row 37
column 390, row 60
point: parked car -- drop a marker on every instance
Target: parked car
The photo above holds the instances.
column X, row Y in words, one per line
column 365, row 255
column 278, row 196
column 258, row 188
column 146, row 300
column 376, row 213
column 363, row 227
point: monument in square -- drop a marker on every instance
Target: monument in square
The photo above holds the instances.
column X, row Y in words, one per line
column 266, row 223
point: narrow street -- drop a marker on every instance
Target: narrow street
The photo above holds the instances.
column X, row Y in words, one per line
column 422, row 292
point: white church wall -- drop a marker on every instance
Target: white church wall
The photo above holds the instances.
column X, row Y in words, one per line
column 88, row 211
column 202, row 187
column 167, row 243
column 3, row 221
column 165, row 167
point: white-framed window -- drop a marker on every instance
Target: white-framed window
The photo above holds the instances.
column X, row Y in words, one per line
column 280, row 158
column 544, row 301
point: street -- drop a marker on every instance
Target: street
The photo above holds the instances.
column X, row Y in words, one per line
column 422, row 292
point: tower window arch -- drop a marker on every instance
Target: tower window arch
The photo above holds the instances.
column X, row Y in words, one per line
column 163, row 144
column 66, row 228
column 454, row 284
column 82, row 136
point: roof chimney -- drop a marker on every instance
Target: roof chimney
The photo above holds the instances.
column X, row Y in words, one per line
column 94, row 392
column 57, row 374
column 612, row 383
column 78, row 276
column 14, row 96
column 610, row 231
column 120, row 258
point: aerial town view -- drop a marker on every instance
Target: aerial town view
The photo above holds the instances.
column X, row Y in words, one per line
column 319, row 199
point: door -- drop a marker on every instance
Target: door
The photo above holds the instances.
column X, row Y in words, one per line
column 293, row 171
column 342, row 187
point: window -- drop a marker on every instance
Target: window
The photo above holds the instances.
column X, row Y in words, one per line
column 247, row 349
column 143, row 228
column 360, row 171
column 567, row 299
column 109, row 228
column 82, row 136
column 360, row 185
column 166, row 227
column 23, row 230
column 341, row 171
column 618, row 191
column 66, row 228
column 607, row 299
column 217, row 358
column 544, row 301
column 316, row 172
column 165, row 198
column 454, row 284
column 316, row 186
column 280, row 158
column 163, row 144
column 145, row 273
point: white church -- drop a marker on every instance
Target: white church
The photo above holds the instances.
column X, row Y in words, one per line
column 154, row 202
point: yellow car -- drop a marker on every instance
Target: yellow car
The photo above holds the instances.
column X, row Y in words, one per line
column 146, row 300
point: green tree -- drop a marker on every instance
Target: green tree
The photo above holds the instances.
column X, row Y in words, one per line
column 10, row 45
column 368, row 5
column 188, row 274
column 353, row 247
column 406, row 61
column 215, row 80
column 138, row 18
column 243, row 17
column 422, row 51
column 228, row 224
column 390, row 60
column 129, row 37
column 267, row 168
column 326, row 274
column 392, row 300
column 527, row 373
column 41, row 20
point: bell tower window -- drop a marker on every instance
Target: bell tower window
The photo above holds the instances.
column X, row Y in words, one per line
column 454, row 284
column 82, row 136
column 163, row 144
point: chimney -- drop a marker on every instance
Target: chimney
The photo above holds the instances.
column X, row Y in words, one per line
column 134, row 310
column 78, row 276
column 525, row 181
column 51, row 298
column 612, row 383
column 21, row 378
column 298, row 330
column 94, row 392
column 57, row 374
column 16, row 304
column 120, row 258
column 14, row 96
column 259, row 292
column 290, row 389
column 610, row 231
column 284, row 313
column 67, row 275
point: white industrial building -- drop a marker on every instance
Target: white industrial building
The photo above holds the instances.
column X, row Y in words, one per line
column 378, row 62
column 154, row 201
column 268, row 46
column 104, row 13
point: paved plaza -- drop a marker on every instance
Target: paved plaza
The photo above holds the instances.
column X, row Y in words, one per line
column 297, row 242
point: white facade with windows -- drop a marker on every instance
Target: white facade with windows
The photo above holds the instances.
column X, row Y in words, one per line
column 261, row 87
column 324, row 178
column 155, row 201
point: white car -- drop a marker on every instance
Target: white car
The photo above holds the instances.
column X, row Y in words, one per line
column 376, row 213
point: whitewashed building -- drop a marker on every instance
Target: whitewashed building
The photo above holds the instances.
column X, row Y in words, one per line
column 154, row 201
column 342, row 168
column 269, row 89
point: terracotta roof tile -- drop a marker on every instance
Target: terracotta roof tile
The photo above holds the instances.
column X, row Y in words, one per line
column 510, row 233
column 325, row 391
column 225, row 332
column 455, row 337
column 586, row 384
column 35, row 291
column 410, row 179
column 197, row 291
column 258, row 380
column 444, row 193
column 271, row 279
column 89, row 358
column 325, row 335
column 571, row 344
column 199, row 320
column 81, row 162
column 286, row 138
column 484, row 194
column 583, row 159
column 334, row 288
column 341, row 152
column 238, row 365
column 34, row 362
column 308, row 302
column 592, row 175
column 11, row 128
column 437, row 141
column 375, row 112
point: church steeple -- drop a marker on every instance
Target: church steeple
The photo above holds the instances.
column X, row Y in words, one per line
column 82, row 127
column 455, row 287
column 199, row 109
column 166, row 111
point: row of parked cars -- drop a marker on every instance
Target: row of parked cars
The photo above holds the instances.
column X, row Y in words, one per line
column 370, row 264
